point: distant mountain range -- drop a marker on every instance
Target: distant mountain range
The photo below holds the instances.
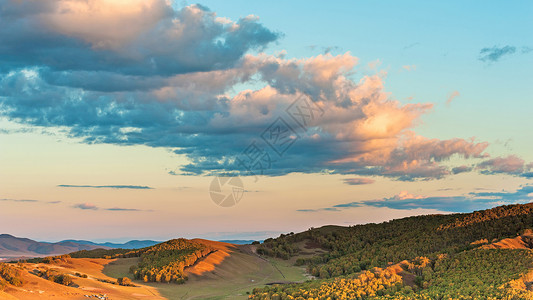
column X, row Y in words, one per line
column 14, row 247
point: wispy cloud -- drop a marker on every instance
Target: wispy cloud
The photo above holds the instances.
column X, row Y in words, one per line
column 86, row 206
column 511, row 164
column 460, row 203
column 91, row 206
column 122, row 209
column 20, row 200
column 134, row 187
column 30, row 201
column 452, row 96
column 411, row 45
column 495, row 53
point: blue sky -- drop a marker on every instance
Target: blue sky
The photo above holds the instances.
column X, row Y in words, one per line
column 442, row 39
column 117, row 110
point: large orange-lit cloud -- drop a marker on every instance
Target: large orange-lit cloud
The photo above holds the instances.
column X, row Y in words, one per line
column 170, row 81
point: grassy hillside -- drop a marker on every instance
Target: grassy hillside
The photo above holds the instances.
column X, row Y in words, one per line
column 164, row 262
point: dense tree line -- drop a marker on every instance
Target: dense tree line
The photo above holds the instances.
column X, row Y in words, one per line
column 361, row 247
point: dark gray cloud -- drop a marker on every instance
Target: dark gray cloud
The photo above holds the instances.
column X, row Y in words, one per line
column 461, row 169
column 358, row 181
column 134, row 187
column 165, row 42
column 471, row 202
column 495, row 53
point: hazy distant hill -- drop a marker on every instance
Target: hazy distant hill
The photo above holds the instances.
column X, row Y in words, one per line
column 12, row 247
column 134, row 244
column 238, row 242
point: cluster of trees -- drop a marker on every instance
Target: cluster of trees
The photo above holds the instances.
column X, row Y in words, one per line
column 56, row 259
column 81, row 275
column 361, row 247
column 165, row 262
column 55, row 276
column 10, row 274
column 281, row 247
column 125, row 281
column 366, row 285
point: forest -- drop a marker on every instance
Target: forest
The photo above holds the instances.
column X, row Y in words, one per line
column 439, row 253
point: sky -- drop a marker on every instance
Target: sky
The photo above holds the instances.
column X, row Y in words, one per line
column 118, row 117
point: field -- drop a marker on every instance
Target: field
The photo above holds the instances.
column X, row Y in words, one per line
column 232, row 278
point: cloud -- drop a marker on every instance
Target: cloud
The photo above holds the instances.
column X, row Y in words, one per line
column 452, row 96
column 29, row 201
column 493, row 54
column 135, row 187
column 462, row 203
column 411, row 45
column 90, row 206
column 20, row 200
column 409, row 67
column 122, row 38
column 358, row 181
column 510, row 165
column 324, row 209
column 461, row 169
column 86, row 206
column 170, row 81
column 122, row 209
column 526, row 50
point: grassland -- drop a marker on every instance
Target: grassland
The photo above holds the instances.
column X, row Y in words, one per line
column 236, row 275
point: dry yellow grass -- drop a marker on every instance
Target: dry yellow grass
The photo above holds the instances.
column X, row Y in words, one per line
column 39, row 288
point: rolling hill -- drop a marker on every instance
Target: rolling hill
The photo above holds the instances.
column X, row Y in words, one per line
column 15, row 247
